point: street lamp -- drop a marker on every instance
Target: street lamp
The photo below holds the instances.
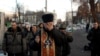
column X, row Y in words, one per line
column 72, row 13
column 46, row 6
column 18, row 11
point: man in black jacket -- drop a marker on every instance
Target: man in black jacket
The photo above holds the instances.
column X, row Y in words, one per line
column 14, row 42
column 51, row 39
column 94, row 38
column 33, row 45
column 68, row 38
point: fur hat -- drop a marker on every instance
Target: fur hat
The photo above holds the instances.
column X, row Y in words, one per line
column 62, row 26
column 48, row 18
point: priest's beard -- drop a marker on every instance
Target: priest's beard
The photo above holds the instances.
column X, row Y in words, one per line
column 45, row 29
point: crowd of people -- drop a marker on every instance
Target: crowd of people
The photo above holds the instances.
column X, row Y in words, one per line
column 45, row 39
column 38, row 40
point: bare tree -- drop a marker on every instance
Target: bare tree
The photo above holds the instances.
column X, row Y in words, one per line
column 93, row 9
column 83, row 11
column 19, row 10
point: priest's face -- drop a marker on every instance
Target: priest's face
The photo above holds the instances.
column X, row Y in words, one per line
column 48, row 25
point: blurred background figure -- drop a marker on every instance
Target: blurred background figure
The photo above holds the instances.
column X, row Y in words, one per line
column 87, row 27
column 68, row 38
column 32, row 45
column 26, row 29
column 40, row 25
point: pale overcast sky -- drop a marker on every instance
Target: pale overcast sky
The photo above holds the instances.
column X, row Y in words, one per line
column 60, row 6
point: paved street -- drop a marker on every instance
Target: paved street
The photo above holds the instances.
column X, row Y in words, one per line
column 78, row 44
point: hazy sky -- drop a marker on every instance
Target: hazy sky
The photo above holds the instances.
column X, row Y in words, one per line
column 60, row 6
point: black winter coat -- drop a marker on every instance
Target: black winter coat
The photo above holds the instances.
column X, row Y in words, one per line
column 14, row 42
column 32, row 44
column 94, row 37
column 58, row 38
column 66, row 47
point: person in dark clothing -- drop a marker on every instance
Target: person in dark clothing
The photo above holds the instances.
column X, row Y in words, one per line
column 26, row 29
column 94, row 38
column 32, row 44
column 87, row 27
column 26, row 32
column 68, row 38
column 40, row 25
column 51, row 39
column 14, row 42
